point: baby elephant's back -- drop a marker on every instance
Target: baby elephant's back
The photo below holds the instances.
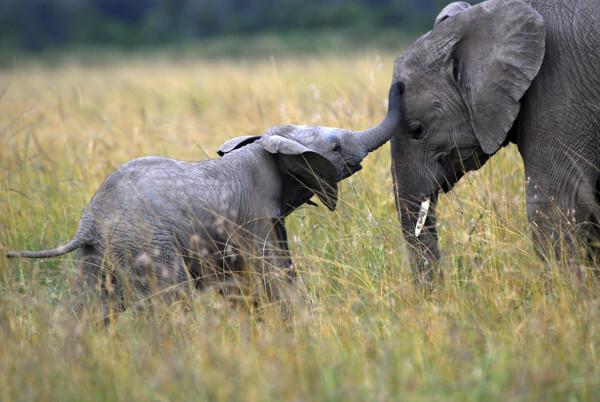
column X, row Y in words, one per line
column 147, row 201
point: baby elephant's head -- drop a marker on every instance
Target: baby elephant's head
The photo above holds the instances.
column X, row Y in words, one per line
column 319, row 157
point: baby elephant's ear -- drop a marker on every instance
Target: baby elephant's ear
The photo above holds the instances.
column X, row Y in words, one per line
column 303, row 169
column 236, row 143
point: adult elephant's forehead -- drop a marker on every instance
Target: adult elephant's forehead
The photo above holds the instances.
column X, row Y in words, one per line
column 427, row 54
column 431, row 49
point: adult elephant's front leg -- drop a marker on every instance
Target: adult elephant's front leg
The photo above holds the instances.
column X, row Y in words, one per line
column 562, row 217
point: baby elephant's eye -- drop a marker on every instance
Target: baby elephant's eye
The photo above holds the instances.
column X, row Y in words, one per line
column 337, row 148
column 416, row 129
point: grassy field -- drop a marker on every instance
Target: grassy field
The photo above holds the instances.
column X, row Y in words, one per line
column 501, row 325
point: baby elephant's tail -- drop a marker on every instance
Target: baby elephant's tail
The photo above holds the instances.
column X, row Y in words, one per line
column 67, row 248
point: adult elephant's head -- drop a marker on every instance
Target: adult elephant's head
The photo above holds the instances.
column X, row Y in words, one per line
column 464, row 82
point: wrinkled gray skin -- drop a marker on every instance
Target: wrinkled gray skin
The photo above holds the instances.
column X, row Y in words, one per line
column 500, row 72
column 156, row 223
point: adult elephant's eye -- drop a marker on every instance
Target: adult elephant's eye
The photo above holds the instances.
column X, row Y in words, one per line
column 416, row 129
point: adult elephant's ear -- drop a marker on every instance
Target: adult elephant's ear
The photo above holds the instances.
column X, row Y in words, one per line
column 236, row 143
column 303, row 169
column 497, row 50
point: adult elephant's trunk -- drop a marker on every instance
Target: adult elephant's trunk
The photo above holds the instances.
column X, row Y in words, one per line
column 375, row 137
column 417, row 216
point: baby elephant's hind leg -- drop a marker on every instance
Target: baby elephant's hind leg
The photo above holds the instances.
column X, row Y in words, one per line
column 162, row 274
column 95, row 287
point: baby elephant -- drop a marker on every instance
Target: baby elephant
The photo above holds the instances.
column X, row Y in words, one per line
column 159, row 224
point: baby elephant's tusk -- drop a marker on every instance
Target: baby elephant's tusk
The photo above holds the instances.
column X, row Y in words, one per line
column 422, row 216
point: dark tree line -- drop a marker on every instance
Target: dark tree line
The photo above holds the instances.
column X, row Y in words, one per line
column 37, row 24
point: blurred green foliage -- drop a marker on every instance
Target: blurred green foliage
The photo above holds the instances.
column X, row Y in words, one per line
column 40, row 24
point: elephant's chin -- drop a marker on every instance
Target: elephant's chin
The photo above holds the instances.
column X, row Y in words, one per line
column 349, row 171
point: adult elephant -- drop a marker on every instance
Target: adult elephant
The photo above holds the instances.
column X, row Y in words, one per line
column 500, row 72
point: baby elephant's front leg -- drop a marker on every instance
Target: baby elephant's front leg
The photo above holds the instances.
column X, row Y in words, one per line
column 277, row 271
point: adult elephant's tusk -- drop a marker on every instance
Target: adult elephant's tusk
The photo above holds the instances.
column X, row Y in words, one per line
column 422, row 216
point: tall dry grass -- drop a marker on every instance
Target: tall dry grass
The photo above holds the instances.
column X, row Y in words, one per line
column 501, row 325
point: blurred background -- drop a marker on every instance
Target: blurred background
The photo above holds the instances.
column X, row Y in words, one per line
column 42, row 25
